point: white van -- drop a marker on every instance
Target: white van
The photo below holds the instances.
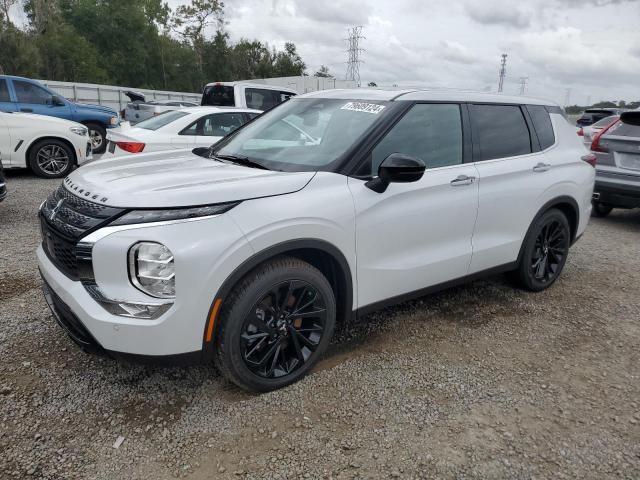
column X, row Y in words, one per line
column 245, row 95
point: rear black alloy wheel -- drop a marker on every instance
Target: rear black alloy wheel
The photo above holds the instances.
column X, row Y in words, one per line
column 274, row 325
column 550, row 250
column 545, row 251
column 51, row 158
column 283, row 329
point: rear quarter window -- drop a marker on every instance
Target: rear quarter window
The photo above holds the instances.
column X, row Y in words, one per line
column 542, row 125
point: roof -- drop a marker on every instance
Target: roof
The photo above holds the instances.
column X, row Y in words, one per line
column 207, row 109
column 254, row 84
column 423, row 95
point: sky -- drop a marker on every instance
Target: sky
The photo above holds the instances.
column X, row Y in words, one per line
column 591, row 47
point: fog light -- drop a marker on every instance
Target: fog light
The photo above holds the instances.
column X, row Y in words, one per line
column 151, row 269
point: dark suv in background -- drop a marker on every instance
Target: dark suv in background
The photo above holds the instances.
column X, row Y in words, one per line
column 593, row 115
column 618, row 165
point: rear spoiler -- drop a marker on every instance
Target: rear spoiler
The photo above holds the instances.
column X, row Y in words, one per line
column 631, row 118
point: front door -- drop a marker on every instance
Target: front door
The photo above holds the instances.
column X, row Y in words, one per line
column 32, row 98
column 416, row 235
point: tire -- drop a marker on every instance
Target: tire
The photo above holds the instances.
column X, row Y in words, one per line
column 98, row 136
column 275, row 325
column 600, row 209
column 545, row 251
column 51, row 158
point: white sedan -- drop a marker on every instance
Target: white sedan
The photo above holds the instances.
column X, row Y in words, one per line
column 178, row 129
column 49, row 146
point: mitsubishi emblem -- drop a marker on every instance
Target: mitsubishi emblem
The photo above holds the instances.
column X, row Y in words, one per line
column 56, row 209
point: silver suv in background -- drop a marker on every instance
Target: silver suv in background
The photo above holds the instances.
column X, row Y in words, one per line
column 618, row 165
column 138, row 109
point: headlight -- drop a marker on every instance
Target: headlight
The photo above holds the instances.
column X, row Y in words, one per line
column 151, row 269
column 82, row 131
column 148, row 216
column 114, row 120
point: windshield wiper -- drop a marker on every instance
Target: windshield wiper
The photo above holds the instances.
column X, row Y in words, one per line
column 240, row 160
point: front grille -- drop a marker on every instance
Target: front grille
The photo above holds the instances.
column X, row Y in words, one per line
column 65, row 219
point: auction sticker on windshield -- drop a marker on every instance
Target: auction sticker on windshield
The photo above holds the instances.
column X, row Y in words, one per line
column 363, row 107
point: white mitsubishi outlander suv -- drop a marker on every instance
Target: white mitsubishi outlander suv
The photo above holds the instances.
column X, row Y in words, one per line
column 329, row 206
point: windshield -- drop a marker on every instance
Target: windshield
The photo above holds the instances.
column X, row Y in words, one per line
column 304, row 133
column 159, row 121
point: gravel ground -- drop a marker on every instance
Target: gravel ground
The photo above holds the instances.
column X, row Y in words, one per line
column 481, row 381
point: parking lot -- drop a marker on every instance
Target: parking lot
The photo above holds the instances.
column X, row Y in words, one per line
column 480, row 381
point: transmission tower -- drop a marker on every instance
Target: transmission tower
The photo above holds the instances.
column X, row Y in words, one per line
column 503, row 72
column 353, row 62
column 523, row 84
column 567, row 97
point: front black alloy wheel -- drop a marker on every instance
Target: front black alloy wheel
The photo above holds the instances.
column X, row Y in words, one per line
column 275, row 325
column 545, row 251
column 283, row 329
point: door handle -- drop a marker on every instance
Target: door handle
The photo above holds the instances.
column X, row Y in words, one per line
column 541, row 167
column 27, row 110
column 462, row 180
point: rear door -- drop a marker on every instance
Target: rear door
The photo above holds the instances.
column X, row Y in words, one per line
column 6, row 147
column 32, row 98
column 513, row 173
column 6, row 105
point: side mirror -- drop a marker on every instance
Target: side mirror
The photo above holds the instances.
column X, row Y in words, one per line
column 57, row 101
column 397, row 168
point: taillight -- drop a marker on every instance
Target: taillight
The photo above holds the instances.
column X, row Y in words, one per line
column 595, row 141
column 131, row 147
column 590, row 158
column 581, row 132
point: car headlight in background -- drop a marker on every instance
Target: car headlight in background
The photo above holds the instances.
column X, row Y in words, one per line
column 152, row 270
column 82, row 131
column 113, row 121
column 149, row 216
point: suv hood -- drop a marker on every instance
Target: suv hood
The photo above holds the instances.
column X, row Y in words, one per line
column 178, row 178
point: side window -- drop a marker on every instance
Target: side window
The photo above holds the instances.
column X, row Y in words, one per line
column 261, row 99
column 430, row 132
column 542, row 125
column 4, row 91
column 31, row 93
column 216, row 125
column 500, row 131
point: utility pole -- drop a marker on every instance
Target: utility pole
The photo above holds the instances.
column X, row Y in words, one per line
column 588, row 100
column 503, row 72
column 353, row 62
column 523, row 84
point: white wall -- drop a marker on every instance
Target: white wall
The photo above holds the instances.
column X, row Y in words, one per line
column 305, row 84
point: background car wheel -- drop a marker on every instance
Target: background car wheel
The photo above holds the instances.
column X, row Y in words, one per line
column 275, row 325
column 600, row 209
column 545, row 251
column 98, row 136
column 51, row 158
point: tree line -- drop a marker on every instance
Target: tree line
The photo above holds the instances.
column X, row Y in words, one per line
column 576, row 109
column 137, row 43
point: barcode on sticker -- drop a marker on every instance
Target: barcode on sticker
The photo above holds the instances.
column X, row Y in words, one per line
column 363, row 107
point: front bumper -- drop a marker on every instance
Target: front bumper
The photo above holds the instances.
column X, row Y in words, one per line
column 206, row 252
column 619, row 193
